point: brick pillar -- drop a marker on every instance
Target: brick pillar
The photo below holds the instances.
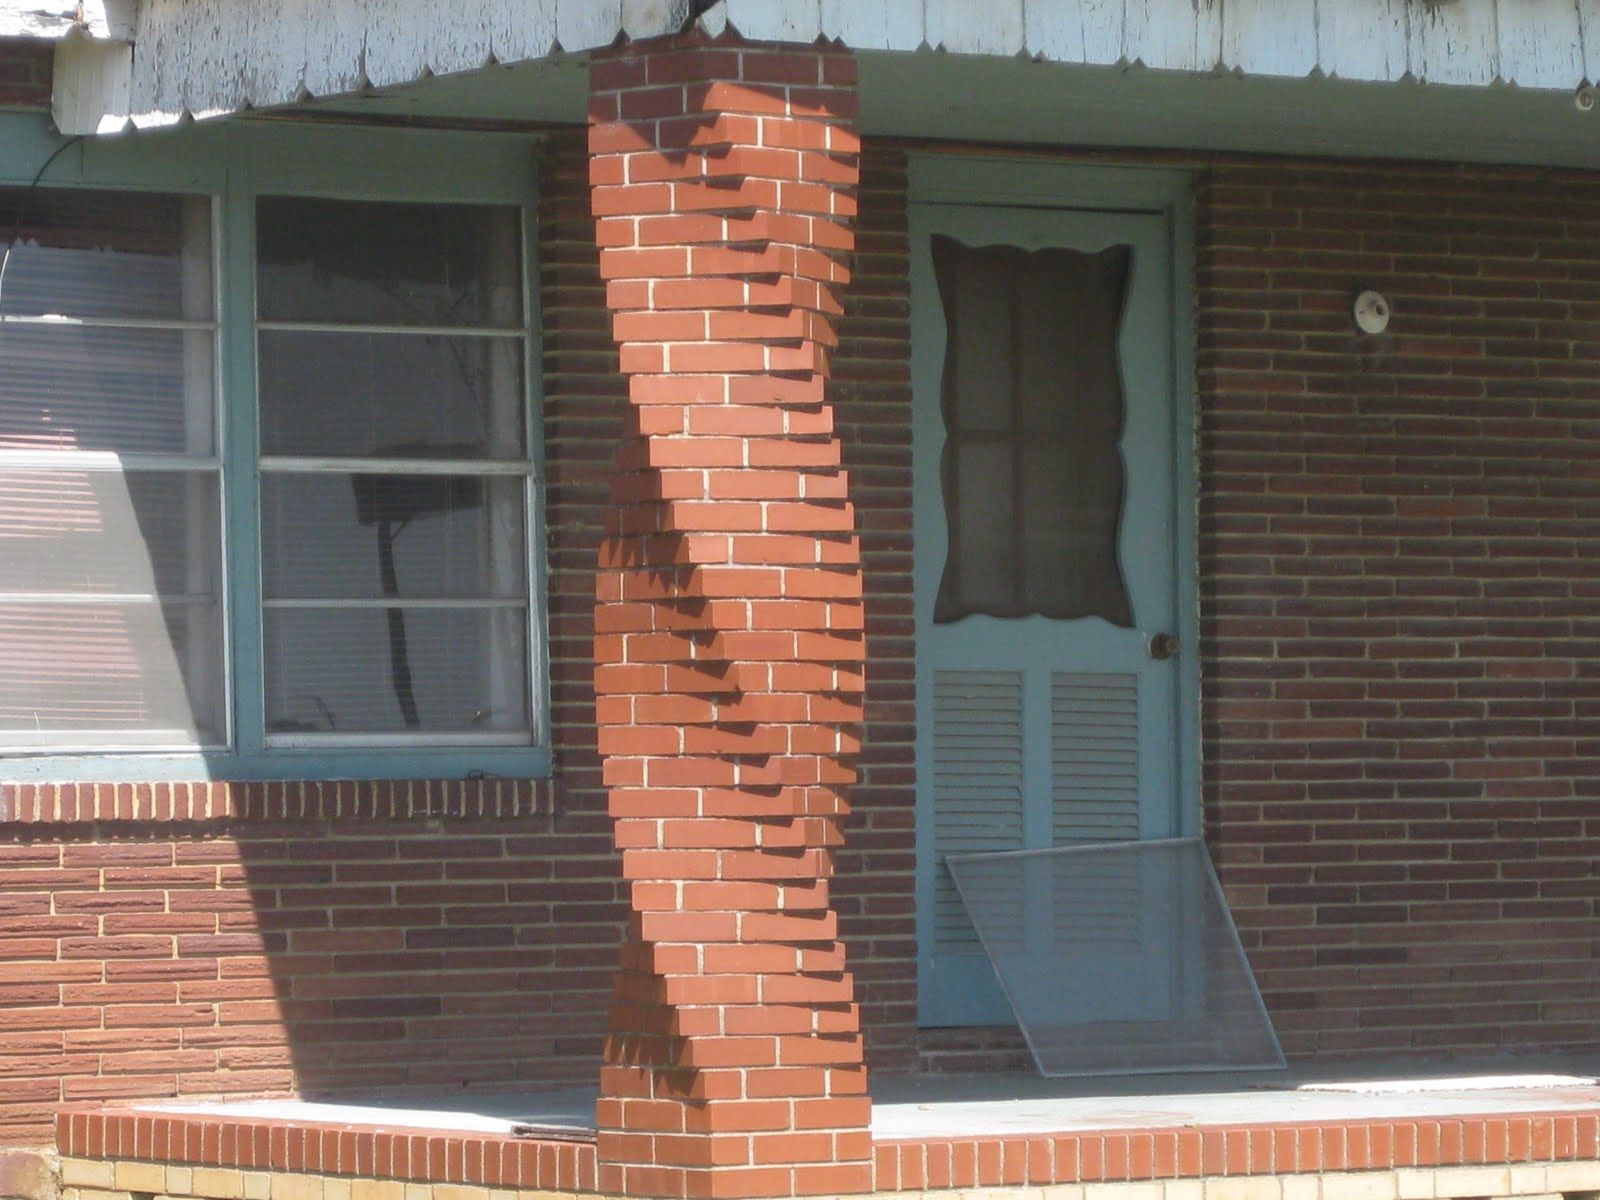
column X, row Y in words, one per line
column 728, row 641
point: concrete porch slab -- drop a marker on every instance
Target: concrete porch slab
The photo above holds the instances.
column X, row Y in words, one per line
column 991, row 1105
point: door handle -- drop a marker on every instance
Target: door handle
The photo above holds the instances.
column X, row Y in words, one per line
column 1163, row 646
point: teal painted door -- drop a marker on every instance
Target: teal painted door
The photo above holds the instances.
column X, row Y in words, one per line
column 1044, row 457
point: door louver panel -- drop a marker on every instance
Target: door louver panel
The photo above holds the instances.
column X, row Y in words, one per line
column 1094, row 756
column 1094, row 759
column 977, row 785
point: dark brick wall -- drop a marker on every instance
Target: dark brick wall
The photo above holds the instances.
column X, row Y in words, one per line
column 1400, row 556
column 25, row 72
column 146, row 960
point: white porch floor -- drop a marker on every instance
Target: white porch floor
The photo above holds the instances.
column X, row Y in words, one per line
column 954, row 1105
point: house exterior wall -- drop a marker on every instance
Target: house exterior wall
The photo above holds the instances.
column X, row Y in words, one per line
column 441, row 947
column 268, row 939
column 1401, row 569
column 1398, row 558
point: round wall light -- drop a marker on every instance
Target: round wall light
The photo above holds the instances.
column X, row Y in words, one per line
column 1372, row 312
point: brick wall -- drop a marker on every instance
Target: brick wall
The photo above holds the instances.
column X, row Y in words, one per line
column 235, row 987
column 309, row 956
column 279, row 937
column 1401, row 564
column 1399, row 538
column 872, row 404
column 159, row 960
column 25, row 72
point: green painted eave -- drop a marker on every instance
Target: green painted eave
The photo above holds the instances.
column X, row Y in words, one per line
column 935, row 95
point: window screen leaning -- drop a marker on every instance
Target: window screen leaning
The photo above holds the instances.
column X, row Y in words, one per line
column 111, row 611
column 395, row 473
column 1032, row 401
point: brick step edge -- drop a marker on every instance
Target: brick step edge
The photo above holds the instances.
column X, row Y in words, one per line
column 268, row 1144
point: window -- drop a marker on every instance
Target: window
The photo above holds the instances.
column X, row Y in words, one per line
column 300, row 548
column 111, row 629
column 394, row 472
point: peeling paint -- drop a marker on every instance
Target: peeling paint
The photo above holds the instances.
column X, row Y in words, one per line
column 198, row 57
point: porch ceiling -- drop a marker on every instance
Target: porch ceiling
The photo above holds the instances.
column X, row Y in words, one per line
column 1014, row 101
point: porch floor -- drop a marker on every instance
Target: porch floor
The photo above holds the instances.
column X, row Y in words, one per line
column 1000, row 1105
column 935, row 1132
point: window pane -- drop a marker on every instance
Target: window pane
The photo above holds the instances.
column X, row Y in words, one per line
column 1067, row 346
column 80, row 387
column 381, row 535
column 985, row 540
column 1072, row 504
column 79, row 532
column 980, row 352
column 1049, row 320
column 107, row 254
column 127, row 674
column 387, row 264
column 389, row 670
column 391, row 395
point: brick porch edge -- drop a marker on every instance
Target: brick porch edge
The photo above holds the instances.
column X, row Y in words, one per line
column 1102, row 1156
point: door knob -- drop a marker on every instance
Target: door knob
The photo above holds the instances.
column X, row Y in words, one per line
column 1163, row 646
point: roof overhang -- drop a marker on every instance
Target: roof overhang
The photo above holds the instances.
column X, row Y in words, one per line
column 205, row 58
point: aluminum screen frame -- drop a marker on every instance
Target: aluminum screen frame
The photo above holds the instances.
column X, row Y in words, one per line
column 1001, row 892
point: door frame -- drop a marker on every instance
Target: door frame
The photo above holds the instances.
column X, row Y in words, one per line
column 1017, row 181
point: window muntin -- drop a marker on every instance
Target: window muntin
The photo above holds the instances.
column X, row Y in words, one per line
column 111, row 605
column 396, row 479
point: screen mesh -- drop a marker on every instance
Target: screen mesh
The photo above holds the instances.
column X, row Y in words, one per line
column 1118, row 957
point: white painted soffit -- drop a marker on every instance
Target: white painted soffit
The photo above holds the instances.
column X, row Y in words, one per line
column 202, row 58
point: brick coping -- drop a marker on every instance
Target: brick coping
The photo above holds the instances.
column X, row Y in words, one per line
column 327, row 1148
column 900, row 1164
column 220, row 801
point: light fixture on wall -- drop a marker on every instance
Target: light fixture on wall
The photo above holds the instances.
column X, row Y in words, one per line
column 1372, row 312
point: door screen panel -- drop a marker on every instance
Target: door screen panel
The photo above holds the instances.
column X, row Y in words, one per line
column 1033, row 410
column 1119, row 958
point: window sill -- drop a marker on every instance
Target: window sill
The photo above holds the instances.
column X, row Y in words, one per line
column 255, row 801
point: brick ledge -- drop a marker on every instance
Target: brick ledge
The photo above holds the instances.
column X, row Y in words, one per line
column 271, row 1144
column 181, row 802
column 917, row 1164
column 1289, row 1148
